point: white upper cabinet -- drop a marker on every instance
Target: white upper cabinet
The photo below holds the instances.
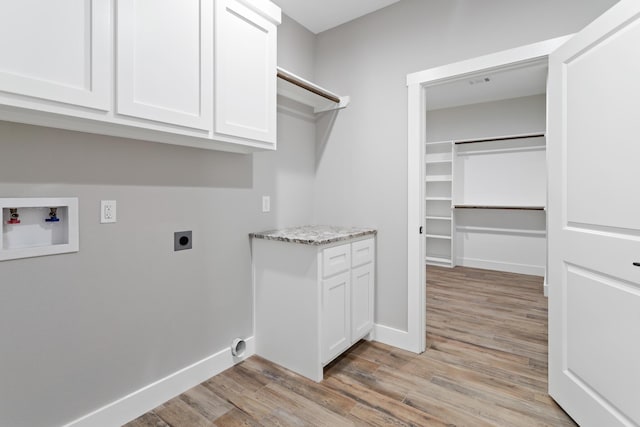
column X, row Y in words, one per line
column 165, row 61
column 245, row 73
column 57, row 51
column 198, row 73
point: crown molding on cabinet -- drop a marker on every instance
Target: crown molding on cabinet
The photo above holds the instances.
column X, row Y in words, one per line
column 264, row 8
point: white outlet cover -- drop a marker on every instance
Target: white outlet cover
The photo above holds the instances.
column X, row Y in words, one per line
column 266, row 204
column 107, row 211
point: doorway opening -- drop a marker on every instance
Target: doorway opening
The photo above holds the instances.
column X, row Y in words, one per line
column 477, row 174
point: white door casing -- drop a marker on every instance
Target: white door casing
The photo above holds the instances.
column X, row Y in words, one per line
column 165, row 61
column 594, row 221
column 414, row 338
column 63, row 54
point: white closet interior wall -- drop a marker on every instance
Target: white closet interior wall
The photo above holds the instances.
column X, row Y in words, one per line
column 488, row 119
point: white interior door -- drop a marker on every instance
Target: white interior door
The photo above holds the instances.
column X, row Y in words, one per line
column 594, row 221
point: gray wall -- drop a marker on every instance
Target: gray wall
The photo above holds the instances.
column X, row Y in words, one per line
column 361, row 168
column 504, row 117
column 296, row 48
column 79, row 331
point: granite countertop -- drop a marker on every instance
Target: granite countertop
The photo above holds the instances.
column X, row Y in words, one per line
column 314, row 234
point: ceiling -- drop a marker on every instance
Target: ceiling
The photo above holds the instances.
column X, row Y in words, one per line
column 318, row 16
column 489, row 86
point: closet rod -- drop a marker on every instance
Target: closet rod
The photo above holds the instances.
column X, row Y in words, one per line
column 502, row 138
column 523, row 208
column 308, row 87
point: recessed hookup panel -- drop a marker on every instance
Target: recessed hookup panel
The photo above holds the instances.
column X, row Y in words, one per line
column 182, row 240
column 32, row 226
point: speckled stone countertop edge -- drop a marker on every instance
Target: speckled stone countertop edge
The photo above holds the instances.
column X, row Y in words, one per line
column 346, row 234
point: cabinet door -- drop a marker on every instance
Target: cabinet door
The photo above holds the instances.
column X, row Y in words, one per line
column 336, row 318
column 245, row 73
column 57, row 50
column 165, row 61
column 362, row 289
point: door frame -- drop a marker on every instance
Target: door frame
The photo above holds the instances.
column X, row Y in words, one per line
column 417, row 84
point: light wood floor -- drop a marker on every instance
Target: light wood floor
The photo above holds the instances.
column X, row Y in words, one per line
column 486, row 365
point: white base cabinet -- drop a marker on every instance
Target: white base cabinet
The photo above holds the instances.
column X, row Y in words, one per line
column 312, row 302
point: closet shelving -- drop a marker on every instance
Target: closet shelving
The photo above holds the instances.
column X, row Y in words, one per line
column 521, row 208
column 439, row 236
column 301, row 90
column 504, row 174
column 438, row 198
column 502, row 230
column 499, row 199
column 501, row 138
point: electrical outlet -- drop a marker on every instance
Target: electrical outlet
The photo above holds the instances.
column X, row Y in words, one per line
column 266, row 204
column 107, row 211
column 182, row 240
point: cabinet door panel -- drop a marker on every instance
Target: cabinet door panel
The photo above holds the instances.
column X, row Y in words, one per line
column 165, row 61
column 362, row 289
column 245, row 73
column 336, row 323
column 58, row 51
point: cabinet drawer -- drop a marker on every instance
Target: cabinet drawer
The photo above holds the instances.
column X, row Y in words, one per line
column 336, row 260
column 362, row 252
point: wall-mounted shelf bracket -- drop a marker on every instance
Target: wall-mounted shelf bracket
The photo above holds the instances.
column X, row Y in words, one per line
column 294, row 87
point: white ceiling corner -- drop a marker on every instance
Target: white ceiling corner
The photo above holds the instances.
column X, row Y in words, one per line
column 318, row 16
column 489, row 86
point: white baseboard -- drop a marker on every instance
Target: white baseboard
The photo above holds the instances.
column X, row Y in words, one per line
column 545, row 287
column 393, row 337
column 141, row 401
column 534, row 270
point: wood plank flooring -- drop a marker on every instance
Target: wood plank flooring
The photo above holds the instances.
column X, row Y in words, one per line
column 486, row 365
